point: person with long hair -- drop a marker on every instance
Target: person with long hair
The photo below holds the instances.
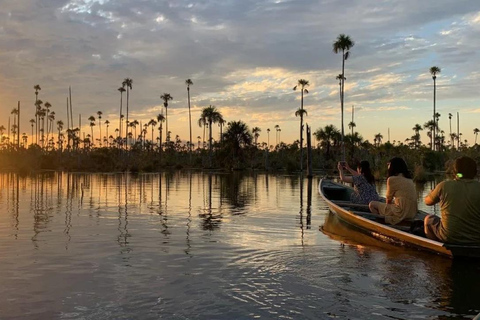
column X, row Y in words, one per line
column 362, row 180
column 401, row 197
column 459, row 205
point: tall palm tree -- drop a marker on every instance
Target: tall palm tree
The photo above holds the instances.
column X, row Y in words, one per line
column 107, row 124
column 37, row 89
column 221, row 123
column 450, row 121
column 152, row 123
column 51, row 119
column 210, row 115
column 476, row 131
column 434, row 71
column 59, row 128
column 15, row 114
column 92, row 124
column 128, row 83
column 302, row 83
column 268, row 138
column 189, row 83
column 166, row 97
column 39, row 104
column 120, row 117
column 343, row 44
column 301, row 112
column 256, row 133
column 160, row 121
column 32, row 122
column 99, row 113
column 277, row 127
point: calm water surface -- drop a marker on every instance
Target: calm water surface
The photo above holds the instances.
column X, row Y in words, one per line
column 198, row 246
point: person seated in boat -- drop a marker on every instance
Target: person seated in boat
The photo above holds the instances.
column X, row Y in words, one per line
column 363, row 182
column 459, row 205
column 401, row 197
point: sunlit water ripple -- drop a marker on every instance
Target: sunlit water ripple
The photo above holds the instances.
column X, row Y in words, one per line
column 199, row 246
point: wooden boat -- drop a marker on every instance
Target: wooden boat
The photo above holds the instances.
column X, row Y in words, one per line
column 358, row 218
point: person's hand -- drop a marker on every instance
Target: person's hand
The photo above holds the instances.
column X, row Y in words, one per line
column 339, row 166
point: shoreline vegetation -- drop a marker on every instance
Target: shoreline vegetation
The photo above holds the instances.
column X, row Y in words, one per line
column 225, row 156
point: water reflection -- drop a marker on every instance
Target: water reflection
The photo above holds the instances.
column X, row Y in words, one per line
column 204, row 243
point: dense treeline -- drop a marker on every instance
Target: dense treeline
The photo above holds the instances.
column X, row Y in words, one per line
column 236, row 150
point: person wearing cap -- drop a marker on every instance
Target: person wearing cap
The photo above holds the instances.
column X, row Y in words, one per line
column 459, row 205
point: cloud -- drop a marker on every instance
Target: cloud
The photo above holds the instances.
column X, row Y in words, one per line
column 243, row 56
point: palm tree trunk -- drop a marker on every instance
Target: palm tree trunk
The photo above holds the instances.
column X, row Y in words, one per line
column 434, row 113
column 127, row 123
column 301, row 136
column 190, row 123
column 167, row 137
column 210, row 142
column 341, row 103
column 120, row 118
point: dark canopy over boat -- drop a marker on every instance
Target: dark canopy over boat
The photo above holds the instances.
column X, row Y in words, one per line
column 359, row 218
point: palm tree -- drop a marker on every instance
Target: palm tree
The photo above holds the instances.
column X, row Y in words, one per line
column 160, row 121
column 107, row 124
column 302, row 83
column 221, row 123
column 32, row 122
column 189, row 82
column 59, row 128
column 210, row 115
column 343, row 44
column 430, row 125
column 378, row 139
column 268, row 138
column 37, row 89
column 51, row 119
column 122, row 90
column 256, row 133
column 92, row 124
column 352, row 125
column 417, row 128
column 327, row 136
column 433, row 71
column 339, row 78
column 127, row 82
column 301, row 112
column 15, row 114
column 277, row 127
column 476, row 131
column 99, row 113
column 166, row 97
column 152, row 123
column 237, row 136
column 450, row 120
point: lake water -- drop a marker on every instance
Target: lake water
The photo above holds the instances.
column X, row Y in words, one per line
column 188, row 245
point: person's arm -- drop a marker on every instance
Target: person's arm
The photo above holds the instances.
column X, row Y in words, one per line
column 342, row 176
column 390, row 193
column 352, row 172
column 434, row 196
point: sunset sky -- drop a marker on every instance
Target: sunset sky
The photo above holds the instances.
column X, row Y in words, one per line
column 244, row 57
